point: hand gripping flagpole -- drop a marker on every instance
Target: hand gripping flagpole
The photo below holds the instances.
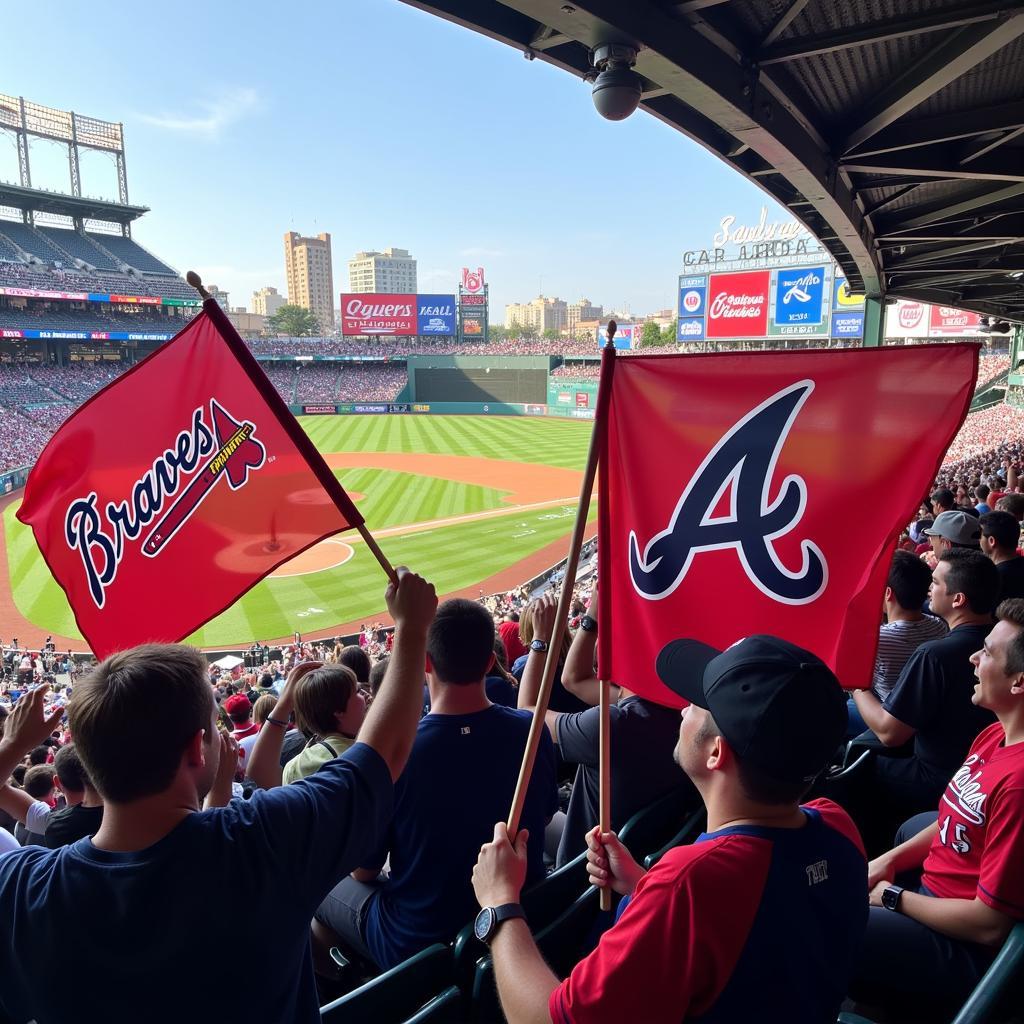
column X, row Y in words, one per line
column 226, row 327
column 538, row 725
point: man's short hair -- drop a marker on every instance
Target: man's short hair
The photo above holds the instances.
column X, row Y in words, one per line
column 67, row 766
column 39, row 781
column 39, row 755
column 358, row 660
column 134, row 715
column 945, row 497
column 460, row 642
column 1012, row 610
column 975, row 576
column 1001, row 527
column 909, row 579
column 1012, row 503
column 377, row 672
column 322, row 694
column 981, row 492
column 754, row 783
column 266, row 681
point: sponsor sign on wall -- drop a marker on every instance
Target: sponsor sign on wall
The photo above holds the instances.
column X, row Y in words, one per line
column 435, row 314
column 945, row 321
column 843, row 299
column 690, row 328
column 800, row 303
column 738, row 305
column 473, row 280
column 318, row 410
column 693, row 293
column 378, row 313
column 474, row 321
column 848, row 325
column 908, row 319
column 626, row 335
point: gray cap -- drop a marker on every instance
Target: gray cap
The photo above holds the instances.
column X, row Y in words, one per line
column 957, row 527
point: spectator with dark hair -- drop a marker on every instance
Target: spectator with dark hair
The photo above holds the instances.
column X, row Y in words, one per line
column 39, row 755
column 640, row 730
column 1012, row 503
column 39, row 786
column 377, row 671
column 352, row 656
column 1000, row 535
column 509, row 633
column 762, row 917
column 261, row 711
column 931, row 701
column 500, row 684
column 942, row 500
column 83, row 814
column 981, row 492
column 238, row 708
column 142, row 894
column 906, row 627
column 945, row 898
column 460, row 778
column 330, row 709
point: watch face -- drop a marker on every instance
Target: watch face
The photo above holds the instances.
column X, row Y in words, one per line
column 484, row 923
column 890, row 898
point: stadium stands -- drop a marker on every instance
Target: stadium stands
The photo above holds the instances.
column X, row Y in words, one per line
column 31, row 241
column 79, row 247
column 130, row 252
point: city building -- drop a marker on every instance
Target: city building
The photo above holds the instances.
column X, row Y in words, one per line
column 267, row 301
column 541, row 314
column 390, row 271
column 307, row 264
column 582, row 309
column 221, row 297
column 248, row 324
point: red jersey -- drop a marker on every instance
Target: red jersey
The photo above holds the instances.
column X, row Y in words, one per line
column 979, row 848
column 240, row 732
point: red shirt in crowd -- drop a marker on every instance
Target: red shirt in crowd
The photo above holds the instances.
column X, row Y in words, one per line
column 514, row 647
column 245, row 730
column 979, row 849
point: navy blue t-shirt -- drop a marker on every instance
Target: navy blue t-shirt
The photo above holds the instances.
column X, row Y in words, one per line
column 459, row 780
column 146, row 934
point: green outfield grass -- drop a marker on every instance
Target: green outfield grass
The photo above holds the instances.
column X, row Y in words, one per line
column 453, row 557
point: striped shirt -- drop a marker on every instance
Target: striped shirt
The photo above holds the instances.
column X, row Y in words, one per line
column 897, row 641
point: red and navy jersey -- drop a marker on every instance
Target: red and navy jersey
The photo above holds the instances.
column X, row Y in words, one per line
column 979, row 848
column 748, row 923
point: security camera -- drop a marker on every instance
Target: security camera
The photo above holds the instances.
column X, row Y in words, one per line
column 616, row 89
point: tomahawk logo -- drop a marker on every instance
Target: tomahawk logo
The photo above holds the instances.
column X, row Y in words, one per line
column 99, row 537
column 742, row 463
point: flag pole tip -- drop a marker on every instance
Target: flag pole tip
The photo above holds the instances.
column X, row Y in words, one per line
column 197, row 282
column 611, row 329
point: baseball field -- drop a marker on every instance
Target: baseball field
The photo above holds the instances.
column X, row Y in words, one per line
column 473, row 503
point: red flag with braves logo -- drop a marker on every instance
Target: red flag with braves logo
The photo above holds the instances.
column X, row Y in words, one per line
column 764, row 493
column 175, row 489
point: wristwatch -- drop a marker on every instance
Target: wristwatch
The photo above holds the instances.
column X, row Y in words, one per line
column 539, row 645
column 487, row 921
column 891, row 897
column 588, row 624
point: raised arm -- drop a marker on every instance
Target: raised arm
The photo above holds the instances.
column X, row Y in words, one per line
column 25, row 728
column 390, row 724
column 578, row 675
column 543, row 610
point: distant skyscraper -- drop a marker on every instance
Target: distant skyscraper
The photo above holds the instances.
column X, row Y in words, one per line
column 392, row 270
column 583, row 309
column 541, row 313
column 307, row 264
column 267, row 301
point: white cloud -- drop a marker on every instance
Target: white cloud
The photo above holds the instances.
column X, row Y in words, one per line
column 224, row 110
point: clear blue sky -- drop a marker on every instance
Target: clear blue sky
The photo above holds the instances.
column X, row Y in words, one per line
column 380, row 124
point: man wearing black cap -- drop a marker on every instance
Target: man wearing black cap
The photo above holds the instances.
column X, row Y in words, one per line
column 762, row 917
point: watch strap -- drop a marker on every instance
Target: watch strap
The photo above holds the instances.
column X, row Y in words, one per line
column 507, row 912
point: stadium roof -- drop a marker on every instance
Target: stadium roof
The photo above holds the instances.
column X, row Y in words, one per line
column 894, row 129
column 41, row 201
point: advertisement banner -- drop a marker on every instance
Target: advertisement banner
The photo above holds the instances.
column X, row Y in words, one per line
column 318, row 410
column 370, row 408
column 843, row 299
column 582, row 400
column 564, row 398
column 800, row 303
column 693, row 294
column 947, row 322
column 470, row 299
column 435, row 314
column 35, row 293
column 420, row 407
column 690, row 328
column 378, row 313
column 848, row 325
column 400, row 407
column 738, row 305
column 473, row 322
column 626, row 336
column 473, row 280
column 906, row 319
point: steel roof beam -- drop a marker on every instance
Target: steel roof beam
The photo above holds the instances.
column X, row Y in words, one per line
column 783, row 22
column 939, row 162
column 1004, row 226
column 945, row 252
column 951, row 208
column 936, row 69
column 880, row 32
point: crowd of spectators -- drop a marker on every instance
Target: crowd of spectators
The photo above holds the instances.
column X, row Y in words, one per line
column 374, row 382
column 16, row 274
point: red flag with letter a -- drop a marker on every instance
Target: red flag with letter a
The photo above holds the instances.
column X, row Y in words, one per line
column 765, row 493
column 175, row 489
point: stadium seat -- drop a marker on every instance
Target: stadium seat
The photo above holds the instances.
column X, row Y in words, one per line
column 405, row 993
column 990, row 1001
column 692, row 827
column 545, row 900
column 653, row 826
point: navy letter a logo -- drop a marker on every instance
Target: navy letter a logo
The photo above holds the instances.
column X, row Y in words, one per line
column 743, row 461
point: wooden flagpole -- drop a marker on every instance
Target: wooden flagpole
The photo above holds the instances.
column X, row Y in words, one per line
column 562, row 614
column 197, row 282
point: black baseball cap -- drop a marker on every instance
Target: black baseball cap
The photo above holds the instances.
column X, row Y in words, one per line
column 779, row 707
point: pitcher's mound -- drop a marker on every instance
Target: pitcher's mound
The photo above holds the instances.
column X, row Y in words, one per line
column 328, row 554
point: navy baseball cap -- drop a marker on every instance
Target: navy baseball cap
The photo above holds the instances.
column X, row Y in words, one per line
column 779, row 707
